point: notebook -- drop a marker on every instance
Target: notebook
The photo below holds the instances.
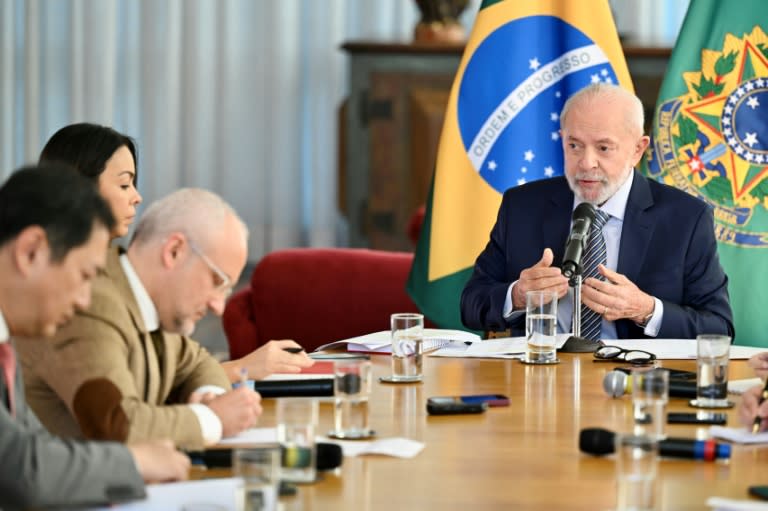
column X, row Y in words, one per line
column 380, row 342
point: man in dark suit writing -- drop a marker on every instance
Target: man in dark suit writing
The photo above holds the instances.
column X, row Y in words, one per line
column 53, row 240
column 660, row 276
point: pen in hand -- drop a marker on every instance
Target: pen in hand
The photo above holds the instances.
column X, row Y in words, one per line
column 758, row 420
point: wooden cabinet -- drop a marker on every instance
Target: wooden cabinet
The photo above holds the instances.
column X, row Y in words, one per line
column 390, row 128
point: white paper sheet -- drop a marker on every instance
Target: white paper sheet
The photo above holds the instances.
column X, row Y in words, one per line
column 398, row 447
column 739, row 435
column 251, row 436
column 503, row 347
column 724, row 504
column 514, row 347
column 740, row 386
column 677, row 349
column 220, row 494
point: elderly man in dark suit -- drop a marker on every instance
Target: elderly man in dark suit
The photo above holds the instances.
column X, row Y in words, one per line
column 53, row 238
column 660, row 276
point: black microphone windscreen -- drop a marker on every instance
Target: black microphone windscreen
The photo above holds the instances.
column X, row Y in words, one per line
column 597, row 441
column 584, row 210
column 329, row 456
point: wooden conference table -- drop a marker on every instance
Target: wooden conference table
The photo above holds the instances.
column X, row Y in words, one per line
column 524, row 456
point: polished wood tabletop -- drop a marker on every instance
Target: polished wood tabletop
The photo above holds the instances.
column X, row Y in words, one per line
column 523, row 456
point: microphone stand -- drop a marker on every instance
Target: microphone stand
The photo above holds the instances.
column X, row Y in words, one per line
column 575, row 283
column 576, row 343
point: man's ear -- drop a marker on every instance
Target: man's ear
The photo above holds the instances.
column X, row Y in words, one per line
column 31, row 250
column 173, row 249
column 642, row 145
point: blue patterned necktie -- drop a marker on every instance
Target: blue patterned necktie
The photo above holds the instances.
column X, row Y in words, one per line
column 595, row 255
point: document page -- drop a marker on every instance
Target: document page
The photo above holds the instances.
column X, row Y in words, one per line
column 203, row 494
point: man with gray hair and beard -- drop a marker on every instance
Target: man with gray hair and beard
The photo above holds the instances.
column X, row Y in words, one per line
column 126, row 369
column 659, row 274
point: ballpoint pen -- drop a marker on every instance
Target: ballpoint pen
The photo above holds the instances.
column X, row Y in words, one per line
column 763, row 397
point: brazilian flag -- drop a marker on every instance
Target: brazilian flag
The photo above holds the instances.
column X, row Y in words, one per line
column 710, row 138
column 523, row 59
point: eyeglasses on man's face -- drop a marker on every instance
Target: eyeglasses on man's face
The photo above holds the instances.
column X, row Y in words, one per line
column 615, row 354
column 221, row 281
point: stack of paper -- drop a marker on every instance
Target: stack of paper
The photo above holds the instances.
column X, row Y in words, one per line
column 381, row 342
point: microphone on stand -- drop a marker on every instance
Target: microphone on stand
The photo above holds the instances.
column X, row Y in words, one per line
column 618, row 383
column 575, row 246
column 583, row 216
column 599, row 442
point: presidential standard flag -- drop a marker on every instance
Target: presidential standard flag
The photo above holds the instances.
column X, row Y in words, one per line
column 523, row 59
column 710, row 138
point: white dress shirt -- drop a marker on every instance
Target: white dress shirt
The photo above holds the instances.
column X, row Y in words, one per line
column 4, row 333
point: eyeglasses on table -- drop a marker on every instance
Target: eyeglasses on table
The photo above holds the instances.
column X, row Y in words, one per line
column 609, row 353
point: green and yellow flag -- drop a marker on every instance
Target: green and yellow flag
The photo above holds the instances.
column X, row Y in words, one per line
column 710, row 138
column 523, row 59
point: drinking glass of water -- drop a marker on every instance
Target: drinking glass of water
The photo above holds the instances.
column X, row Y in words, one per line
column 352, row 388
column 540, row 327
column 636, row 466
column 258, row 468
column 407, row 347
column 296, row 421
column 712, row 371
column 650, row 394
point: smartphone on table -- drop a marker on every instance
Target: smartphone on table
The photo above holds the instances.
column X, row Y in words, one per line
column 478, row 403
column 697, row 418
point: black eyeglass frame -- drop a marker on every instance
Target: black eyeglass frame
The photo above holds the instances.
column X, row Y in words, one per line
column 620, row 354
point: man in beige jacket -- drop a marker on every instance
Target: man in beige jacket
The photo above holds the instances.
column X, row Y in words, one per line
column 125, row 369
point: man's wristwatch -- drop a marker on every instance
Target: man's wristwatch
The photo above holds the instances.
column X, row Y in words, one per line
column 644, row 322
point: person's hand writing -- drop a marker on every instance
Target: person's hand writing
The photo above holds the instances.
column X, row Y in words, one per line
column 158, row 461
column 238, row 410
column 759, row 362
column 542, row 276
column 616, row 298
column 750, row 407
column 272, row 358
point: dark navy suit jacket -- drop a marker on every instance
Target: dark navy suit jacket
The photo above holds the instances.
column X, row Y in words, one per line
column 667, row 249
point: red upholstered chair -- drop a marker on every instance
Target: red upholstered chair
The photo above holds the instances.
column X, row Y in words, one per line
column 317, row 295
